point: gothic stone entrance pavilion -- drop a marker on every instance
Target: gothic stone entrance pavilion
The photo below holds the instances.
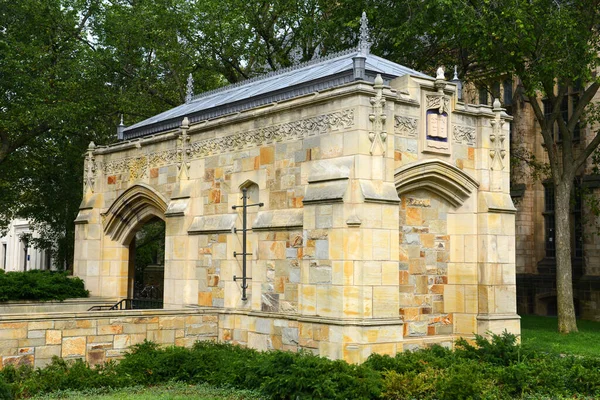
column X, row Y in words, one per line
column 387, row 222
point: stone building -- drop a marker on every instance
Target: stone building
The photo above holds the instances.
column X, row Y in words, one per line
column 386, row 220
column 533, row 198
column 16, row 251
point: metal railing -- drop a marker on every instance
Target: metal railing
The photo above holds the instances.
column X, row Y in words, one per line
column 130, row 304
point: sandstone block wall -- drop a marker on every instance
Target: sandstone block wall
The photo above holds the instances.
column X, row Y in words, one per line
column 97, row 336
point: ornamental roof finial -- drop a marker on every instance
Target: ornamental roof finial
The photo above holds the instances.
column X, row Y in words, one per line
column 189, row 89
column 455, row 78
column 364, row 41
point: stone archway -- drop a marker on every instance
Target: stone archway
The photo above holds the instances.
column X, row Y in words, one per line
column 133, row 209
column 439, row 177
column 432, row 194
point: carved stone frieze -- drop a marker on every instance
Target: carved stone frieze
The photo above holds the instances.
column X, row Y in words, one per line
column 405, row 126
column 294, row 130
column 138, row 167
column 464, row 135
column 288, row 131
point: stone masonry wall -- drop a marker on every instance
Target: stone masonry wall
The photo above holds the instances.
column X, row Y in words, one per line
column 424, row 256
column 97, row 336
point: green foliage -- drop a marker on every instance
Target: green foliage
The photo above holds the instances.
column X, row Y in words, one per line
column 501, row 350
column 5, row 390
column 495, row 369
column 40, row 285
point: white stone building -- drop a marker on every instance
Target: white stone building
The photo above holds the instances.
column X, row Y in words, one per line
column 17, row 254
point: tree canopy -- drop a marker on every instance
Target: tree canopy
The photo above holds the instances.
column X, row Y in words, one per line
column 71, row 68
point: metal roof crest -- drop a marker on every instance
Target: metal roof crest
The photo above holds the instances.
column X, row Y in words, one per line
column 364, row 40
column 274, row 73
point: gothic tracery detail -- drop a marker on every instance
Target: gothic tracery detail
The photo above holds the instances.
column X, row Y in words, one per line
column 378, row 135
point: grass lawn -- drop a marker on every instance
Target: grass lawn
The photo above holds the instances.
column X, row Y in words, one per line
column 173, row 391
column 542, row 333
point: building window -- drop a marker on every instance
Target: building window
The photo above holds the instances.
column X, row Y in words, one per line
column 508, row 92
column 4, row 255
column 577, row 224
column 577, row 128
column 549, row 221
column 547, row 114
column 567, row 105
column 483, row 95
column 496, row 90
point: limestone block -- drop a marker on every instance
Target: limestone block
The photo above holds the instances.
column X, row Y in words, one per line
column 389, row 273
column 308, row 299
column 289, row 336
column 47, row 352
column 8, row 347
column 367, row 301
column 165, row 336
column 505, row 299
column 261, row 342
column 366, row 243
column 385, row 301
column 79, row 332
column 40, row 325
column 73, row 346
column 381, row 244
column 454, row 301
column 465, row 324
column 110, row 329
column 17, row 361
column 171, row 323
column 352, row 304
column 351, row 245
column 371, row 273
column 36, row 334
column 471, row 299
column 462, row 224
column 462, row 273
column 329, row 300
column 336, row 244
column 14, row 333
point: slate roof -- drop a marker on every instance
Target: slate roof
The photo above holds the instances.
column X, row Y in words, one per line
column 316, row 75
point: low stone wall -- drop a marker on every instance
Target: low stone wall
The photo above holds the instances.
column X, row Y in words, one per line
column 68, row 305
column 98, row 336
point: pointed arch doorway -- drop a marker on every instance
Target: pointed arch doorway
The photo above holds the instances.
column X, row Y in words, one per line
column 135, row 227
column 147, row 265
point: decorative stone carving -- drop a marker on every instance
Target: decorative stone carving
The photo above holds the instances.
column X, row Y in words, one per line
column 364, row 41
column 378, row 135
column 183, row 150
column 289, row 131
column 300, row 129
column 138, row 167
column 437, row 111
column 405, row 126
column 90, row 169
column 497, row 137
column 189, row 89
column 464, row 135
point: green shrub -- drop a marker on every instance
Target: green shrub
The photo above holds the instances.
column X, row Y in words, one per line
column 5, row 390
column 496, row 369
column 40, row 285
column 500, row 350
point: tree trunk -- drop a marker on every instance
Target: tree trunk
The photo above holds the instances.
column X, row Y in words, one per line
column 564, row 271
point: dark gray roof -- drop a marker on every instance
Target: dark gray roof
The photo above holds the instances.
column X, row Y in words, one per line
column 280, row 85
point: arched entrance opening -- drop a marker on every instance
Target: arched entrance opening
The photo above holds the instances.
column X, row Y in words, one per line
column 134, row 226
column 147, row 265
